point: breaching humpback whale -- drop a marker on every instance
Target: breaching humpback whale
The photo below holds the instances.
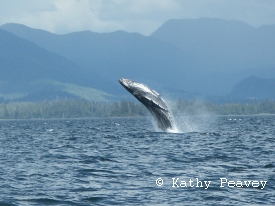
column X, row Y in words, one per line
column 153, row 102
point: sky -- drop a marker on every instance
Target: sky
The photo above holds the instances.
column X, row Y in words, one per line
column 141, row 16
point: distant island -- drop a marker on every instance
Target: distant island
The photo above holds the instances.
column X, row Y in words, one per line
column 83, row 108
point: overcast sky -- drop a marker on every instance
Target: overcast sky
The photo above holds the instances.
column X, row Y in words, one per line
column 142, row 16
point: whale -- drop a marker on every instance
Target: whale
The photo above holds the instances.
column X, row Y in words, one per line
column 152, row 101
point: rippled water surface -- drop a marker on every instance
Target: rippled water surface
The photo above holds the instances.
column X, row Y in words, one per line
column 117, row 161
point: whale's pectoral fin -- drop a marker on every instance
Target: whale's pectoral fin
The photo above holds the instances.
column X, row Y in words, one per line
column 154, row 103
column 157, row 94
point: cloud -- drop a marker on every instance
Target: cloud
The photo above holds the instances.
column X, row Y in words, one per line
column 143, row 16
column 253, row 12
column 16, row 9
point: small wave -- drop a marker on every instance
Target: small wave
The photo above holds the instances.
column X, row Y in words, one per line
column 47, row 201
column 6, row 204
column 95, row 199
column 269, row 166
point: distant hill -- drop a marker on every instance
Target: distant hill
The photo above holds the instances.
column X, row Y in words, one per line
column 202, row 56
column 27, row 68
column 22, row 60
column 228, row 50
column 121, row 54
column 254, row 88
column 221, row 44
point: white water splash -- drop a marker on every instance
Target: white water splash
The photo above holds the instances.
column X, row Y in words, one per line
column 157, row 129
column 200, row 120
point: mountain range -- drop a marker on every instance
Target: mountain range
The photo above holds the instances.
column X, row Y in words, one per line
column 254, row 88
column 27, row 69
column 201, row 57
column 228, row 51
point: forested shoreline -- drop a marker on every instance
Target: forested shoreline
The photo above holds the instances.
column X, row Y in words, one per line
column 68, row 108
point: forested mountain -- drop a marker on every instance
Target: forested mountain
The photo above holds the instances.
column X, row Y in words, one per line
column 29, row 70
column 220, row 44
column 254, row 88
column 228, row 50
column 120, row 54
column 199, row 57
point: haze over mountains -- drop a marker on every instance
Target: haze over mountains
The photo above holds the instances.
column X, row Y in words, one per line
column 228, row 50
column 188, row 57
column 29, row 69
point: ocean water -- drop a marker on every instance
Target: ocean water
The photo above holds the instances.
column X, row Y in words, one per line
column 224, row 160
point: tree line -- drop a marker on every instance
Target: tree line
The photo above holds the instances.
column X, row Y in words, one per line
column 68, row 108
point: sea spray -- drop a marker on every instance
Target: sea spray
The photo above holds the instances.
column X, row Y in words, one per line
column 193, row 118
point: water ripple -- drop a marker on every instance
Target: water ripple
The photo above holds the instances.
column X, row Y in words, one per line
column 117, row 161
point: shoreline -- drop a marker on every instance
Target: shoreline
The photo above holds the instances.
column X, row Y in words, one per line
column 136, row 117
